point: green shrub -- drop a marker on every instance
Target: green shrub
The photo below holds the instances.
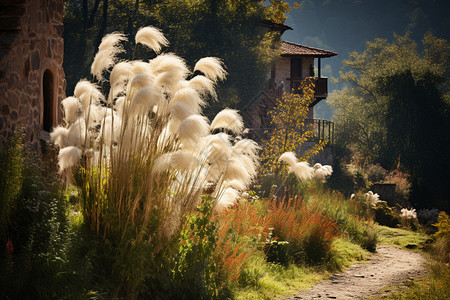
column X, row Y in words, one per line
column 386, row 215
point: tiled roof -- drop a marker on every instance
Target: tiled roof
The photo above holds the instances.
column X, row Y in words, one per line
column 293, row 49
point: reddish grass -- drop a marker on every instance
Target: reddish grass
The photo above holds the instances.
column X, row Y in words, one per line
column 238, row 232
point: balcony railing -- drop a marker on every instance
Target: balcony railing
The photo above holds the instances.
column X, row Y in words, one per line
column 323, row 130
column 320, row 88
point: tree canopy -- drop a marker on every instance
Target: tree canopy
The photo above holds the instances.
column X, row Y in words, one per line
column 395, row 109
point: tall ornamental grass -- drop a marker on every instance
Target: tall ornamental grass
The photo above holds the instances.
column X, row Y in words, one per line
column 143, row 153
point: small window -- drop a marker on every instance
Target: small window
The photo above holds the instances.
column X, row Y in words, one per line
column 49, row 100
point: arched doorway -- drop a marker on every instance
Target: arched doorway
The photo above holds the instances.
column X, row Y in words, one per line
column 48, row 94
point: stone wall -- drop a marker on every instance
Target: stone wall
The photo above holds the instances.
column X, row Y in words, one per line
column 31, row 52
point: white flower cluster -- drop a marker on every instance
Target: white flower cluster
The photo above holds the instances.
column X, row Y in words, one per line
column 154, row 110
column 372, row 199
column 408, row 214
column 302, row 169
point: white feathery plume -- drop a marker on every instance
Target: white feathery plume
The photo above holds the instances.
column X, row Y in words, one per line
column 169, row 70
column 162, row 163
column 59, row 136
column 107, row 130
column 141, row 80
column 321, row 172
column 183, row 160
column 76, row 133
column 193, row 127
column 248, row 147
column 212, row 67
column 140, row 67
column 120, row 75
column 408, row 214
column 106, row 55
column 302, row 170
column 227, row 199
column 235, row 184
column 190, row 97
column 88, row 93
column 119, row 105
column 181, row 111
column 68, row 157
column 71, row 107
column 228, row 119
column 203, row 85
column 219, row 148
column 144, row 100
column 237, row 171
column 372, row 199
column 93, row 115
column 151, row 37
column 289, row 158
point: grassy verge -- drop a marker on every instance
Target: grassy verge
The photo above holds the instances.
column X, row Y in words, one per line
column 263, row 280
column 401, row 237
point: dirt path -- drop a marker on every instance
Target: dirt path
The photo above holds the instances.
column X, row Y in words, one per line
column 389, row 266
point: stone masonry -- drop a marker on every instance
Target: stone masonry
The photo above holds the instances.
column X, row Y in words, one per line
column 31, row 56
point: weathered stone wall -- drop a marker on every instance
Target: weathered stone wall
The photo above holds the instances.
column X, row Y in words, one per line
column 30, row 43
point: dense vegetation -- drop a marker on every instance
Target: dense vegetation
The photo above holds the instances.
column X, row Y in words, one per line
column 395, row 111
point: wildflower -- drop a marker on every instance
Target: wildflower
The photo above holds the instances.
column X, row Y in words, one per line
column 372, row 199
column 321, row 172
column 408, row 214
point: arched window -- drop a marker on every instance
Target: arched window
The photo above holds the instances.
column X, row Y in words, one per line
column 49, row 100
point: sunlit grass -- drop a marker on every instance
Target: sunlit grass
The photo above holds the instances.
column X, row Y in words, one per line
column 400, row 237
column 263, row 280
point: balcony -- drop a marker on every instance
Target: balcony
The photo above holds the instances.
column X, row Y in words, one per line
column 320, row 89
column 323, row 130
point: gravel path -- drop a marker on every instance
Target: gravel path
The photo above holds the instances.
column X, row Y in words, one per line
column 389, row 266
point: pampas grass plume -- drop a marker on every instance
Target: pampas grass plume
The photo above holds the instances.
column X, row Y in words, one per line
column 227, row 199
column 145, row 99
column 190, row 97
column 162, row 163
column 68, row 157
column 193, row 127
column 106, row 55
column 71, row 106
column 151, row 37
column 212, row 67
column 59, row 136
column 203, row 85
column 88, row 93
column 289, row 158
column 228, row 119
column 76, row 133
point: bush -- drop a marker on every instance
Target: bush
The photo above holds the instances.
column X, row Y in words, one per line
column 308, row 232
column 385, row 215
column 36, row 232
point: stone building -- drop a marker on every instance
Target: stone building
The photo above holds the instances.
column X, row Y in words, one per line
column 32, row 81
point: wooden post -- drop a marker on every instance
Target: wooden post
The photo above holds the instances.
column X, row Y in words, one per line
column 318, row 67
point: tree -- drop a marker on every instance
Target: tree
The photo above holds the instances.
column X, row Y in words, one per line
column 394, row 110
column 288, row 131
